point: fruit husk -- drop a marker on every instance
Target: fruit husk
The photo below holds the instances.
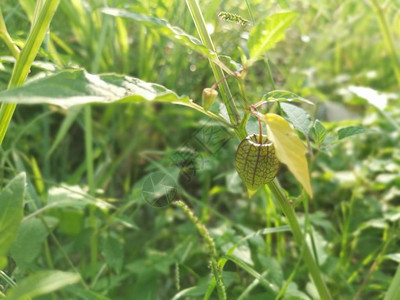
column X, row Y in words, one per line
column 256, row 163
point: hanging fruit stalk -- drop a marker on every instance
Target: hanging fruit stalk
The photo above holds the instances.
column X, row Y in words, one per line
column 209, row 95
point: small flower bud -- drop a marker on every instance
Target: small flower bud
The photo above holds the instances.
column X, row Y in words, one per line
column 208, row 97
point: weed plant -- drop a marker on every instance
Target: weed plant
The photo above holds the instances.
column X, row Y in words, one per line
column 111, row 191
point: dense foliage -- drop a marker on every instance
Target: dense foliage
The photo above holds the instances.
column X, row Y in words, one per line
column 99, row 178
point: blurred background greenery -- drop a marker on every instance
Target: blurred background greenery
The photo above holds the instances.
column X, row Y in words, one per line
column 335, row 55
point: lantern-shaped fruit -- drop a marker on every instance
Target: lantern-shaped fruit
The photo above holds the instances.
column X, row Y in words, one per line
column 256, row 163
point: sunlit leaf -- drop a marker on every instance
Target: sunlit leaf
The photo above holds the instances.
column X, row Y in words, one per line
column 74, row 87
column 268, row 32
column 11, row 213
column 41, row 283
column 284, row 96
column 289, row 148
column 374, row 97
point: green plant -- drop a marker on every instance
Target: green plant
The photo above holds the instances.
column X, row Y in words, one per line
column 96, row 225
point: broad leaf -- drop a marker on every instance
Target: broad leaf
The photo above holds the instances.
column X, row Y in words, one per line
column 28, row 243
column 168, row 30
column 74, row 87
column 300, row 119
column 289, row 148
column 349, row 131
column 41, row 283
column 113, row 252
column 11, row 213
column 268, row 32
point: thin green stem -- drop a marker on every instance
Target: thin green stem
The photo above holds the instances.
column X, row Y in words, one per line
column 202, row 230
column 5, row 36
column 271, row 76
column 250, row 12
column 288, row 210
column 25, row 59
column 390, row 44
column 89, row 148
column 94, row 240
column 91, row 183
column 198, row 19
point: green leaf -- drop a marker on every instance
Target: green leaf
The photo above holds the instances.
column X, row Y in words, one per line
column 74, row 197
column 268, row 32
column 65, row 125
column 252, row 272
column 318, row 132
column 28, row 243
column 74, row 87
column 349, row 131
column 113, row 252
column 29, row 8
column 41, row 283
column 11, row 213
column 82, row 293
column 289, row 148
column 284, row 96
column 168, row 30
column 233, row 65
column 300, row 119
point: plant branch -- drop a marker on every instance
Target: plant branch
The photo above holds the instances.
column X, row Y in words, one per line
column 5, row 36
column 288, row 210
column 390, row 44
column 25, row 59
column 198, row 19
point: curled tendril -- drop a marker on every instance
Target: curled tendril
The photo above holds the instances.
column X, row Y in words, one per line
column 227, row 16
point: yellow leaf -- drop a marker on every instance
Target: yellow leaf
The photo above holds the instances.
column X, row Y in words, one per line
column 289, row 148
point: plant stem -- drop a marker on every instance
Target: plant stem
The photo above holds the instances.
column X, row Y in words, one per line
column 271, row 76
column 388, row 38
column 7, row 38
column 24, row 61
column 241, row 133
column 210, row 244
column 198, row 20
column 94, row 240
column 288, row 210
